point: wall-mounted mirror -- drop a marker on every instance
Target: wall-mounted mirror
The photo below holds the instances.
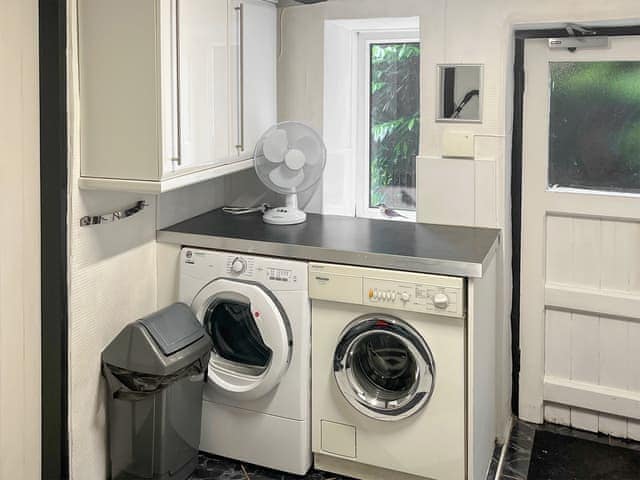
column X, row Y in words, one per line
column 460, row 93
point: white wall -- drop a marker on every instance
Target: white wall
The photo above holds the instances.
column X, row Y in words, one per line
column 19, row 242
column 470, row 192
column 113, row 271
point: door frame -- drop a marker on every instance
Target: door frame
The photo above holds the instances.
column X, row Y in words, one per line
column 53, row 226
column 520, row 36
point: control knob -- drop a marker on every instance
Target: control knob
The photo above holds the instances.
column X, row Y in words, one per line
column 238, row 266
column 404, row 296
column 441, row 301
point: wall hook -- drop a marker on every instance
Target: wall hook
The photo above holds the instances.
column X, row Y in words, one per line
column 113, row 216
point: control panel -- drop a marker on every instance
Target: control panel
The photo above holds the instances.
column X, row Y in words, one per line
column 412, row 296
column 275, row 274
column 414, row 292
column 246, row 267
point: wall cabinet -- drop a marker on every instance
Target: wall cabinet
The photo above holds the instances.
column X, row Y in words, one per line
column 173, row 92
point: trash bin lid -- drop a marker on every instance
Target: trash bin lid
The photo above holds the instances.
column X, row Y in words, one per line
column 173, row 328
column 159, row 344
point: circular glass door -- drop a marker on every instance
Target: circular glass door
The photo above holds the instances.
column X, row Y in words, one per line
column 384, row 368
column 238, row 345
column 251, row 337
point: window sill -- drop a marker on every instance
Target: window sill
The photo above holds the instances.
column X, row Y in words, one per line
column 374, row 214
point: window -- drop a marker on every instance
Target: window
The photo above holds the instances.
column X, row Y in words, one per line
column 389, row 112
column 594, row 129
column 371, row 120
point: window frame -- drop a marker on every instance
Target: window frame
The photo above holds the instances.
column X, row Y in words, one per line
column 363, row 113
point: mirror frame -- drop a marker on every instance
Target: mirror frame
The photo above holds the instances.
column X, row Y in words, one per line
column 439, row 93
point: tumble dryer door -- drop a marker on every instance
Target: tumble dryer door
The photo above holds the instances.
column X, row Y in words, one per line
column 384, row 368
column 251, row 335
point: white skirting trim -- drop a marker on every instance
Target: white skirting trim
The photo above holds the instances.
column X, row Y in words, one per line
column 615, row 401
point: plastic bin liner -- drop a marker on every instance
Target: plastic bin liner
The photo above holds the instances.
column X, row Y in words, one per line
column 137, row 386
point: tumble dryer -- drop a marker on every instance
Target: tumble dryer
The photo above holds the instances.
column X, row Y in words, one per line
column 256, row 404
column 388, row 371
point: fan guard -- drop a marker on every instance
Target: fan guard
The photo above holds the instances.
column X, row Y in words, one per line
column 289, row 159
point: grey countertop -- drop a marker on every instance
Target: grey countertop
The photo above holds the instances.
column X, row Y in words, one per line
column 407, row 246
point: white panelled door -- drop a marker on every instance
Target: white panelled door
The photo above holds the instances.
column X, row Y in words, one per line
column 580, row 305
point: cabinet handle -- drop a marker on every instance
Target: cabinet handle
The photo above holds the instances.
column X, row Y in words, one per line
column 240, row 71
column 177, row 134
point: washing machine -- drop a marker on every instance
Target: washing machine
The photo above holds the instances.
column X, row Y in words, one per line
column 388, row 373
column 256, row 405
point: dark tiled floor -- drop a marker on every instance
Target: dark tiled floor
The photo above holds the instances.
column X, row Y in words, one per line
column 518, row 454
column 515, row 464
column 215, row 468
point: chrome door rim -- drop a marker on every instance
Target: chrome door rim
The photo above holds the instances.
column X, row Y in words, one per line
column 352, row 389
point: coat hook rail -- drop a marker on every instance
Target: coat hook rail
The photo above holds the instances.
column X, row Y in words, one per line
column 113, row 216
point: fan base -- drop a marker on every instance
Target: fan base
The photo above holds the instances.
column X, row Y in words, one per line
column 284, row 216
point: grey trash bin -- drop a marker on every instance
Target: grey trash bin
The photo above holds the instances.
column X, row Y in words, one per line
column 155, row 370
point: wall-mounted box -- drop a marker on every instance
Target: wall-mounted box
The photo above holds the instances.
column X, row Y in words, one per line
column 458, row 144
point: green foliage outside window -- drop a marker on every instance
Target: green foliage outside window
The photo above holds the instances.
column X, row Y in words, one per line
column 395, row 124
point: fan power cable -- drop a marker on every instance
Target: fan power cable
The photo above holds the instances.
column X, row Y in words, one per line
column 246, row 210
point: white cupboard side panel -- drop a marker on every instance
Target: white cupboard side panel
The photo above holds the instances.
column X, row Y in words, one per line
column 203, row 82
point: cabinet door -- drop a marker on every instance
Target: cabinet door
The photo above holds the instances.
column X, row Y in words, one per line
column 253, row 38
column 203, row 82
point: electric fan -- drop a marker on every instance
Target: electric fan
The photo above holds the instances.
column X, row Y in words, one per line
column 289, row 159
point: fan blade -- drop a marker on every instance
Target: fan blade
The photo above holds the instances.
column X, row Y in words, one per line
column 275, row 146
column 284, row 177
column 295, row 159
column 310, row 147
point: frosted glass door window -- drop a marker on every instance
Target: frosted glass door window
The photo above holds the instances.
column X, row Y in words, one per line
column 594, row 129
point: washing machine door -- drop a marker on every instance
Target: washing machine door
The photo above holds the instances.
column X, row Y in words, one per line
column 251, row 335
column 384, row 368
